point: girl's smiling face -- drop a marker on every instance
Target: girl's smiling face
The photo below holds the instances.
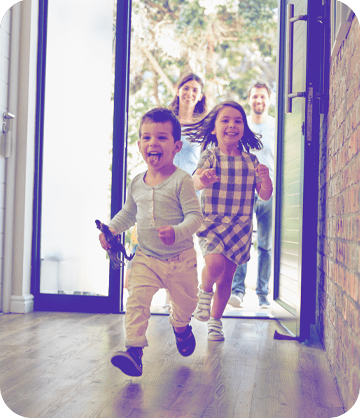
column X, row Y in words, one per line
column 229, row 128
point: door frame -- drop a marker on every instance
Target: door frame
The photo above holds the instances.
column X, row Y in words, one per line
column 81, row 303
column 281, row 310
column 10, row 170
column 299, row 322
column 19, row 165
column 113, row 303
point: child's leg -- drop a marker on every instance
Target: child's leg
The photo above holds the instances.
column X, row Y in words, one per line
column 215, row 265
column 223, row 289
column 220, row 270
column 143, row 284
column 182, row 285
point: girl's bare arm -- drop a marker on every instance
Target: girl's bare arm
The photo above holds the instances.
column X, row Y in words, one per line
column 265, row 188
column 204, row 177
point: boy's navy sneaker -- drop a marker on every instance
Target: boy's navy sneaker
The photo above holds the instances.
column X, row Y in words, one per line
column 129, row 362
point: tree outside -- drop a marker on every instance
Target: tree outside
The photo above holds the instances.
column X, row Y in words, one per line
column 228, row 43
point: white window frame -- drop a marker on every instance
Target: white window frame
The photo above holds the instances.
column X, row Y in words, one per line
column 341, row 18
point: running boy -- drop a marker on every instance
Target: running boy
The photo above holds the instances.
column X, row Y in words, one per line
column 163, row 203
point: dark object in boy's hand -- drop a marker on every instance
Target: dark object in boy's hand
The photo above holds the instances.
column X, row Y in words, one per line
column 116, row 245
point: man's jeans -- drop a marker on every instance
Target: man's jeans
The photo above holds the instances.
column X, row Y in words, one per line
column 263, row 212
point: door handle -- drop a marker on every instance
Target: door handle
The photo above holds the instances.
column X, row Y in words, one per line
column 291, row 19
column 6, row 137
column 6, row 116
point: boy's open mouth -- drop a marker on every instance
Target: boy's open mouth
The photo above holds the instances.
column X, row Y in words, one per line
column 154, row 157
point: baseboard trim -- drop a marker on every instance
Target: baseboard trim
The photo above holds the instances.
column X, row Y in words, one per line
column 22, row 304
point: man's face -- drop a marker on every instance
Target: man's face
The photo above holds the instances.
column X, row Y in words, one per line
column 259, row 100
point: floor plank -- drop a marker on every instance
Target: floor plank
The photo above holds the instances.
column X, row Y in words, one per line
column 55, row 365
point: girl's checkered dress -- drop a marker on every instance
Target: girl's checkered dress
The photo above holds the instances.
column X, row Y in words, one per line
column 227, row 205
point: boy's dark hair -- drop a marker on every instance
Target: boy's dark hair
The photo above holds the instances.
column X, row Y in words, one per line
column 162, row 115
column 200, row 107
column 201, row 131
column 260, row 85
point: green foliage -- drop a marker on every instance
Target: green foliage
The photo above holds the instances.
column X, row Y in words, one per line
column 234, row 41
column 229, row 43
column 190, row 19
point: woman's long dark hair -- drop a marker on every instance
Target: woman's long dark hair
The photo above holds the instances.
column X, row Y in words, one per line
column 200, row 107
column 201, row 131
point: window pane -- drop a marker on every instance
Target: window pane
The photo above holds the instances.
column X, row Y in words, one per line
column 77, row 146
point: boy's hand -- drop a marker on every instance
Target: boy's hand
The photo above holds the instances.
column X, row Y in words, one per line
column 167, row 234
column 263, row 172
column 105, row 245
column 208, row 176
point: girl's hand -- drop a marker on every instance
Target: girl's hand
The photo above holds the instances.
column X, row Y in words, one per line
column 167, row 234
column 263, row 172
column 208, row 176
column 265, row 188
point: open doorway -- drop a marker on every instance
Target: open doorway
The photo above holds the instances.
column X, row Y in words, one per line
column 230, row 45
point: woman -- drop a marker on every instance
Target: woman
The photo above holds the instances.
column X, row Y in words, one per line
column 189, row 105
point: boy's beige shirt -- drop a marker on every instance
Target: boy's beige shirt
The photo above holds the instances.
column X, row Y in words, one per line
column 173, row 202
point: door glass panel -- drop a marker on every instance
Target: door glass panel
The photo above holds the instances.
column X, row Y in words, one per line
column 77, row 146
column 291, row 198
column 292, row 163
column 288, row 254
column 169, row 42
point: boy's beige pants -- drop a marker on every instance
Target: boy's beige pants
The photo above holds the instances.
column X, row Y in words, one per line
column 148, row 275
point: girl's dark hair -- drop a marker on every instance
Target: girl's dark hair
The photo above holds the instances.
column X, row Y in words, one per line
column 200, row 107
column 201, row 131
column 162, row 115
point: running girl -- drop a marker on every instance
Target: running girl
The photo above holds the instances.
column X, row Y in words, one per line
column 228, row 175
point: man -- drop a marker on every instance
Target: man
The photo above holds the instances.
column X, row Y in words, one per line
column 260, row 122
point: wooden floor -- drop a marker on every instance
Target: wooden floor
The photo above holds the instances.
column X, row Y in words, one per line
column 57, row 365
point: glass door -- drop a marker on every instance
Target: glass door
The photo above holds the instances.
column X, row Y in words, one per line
column 221, row 45
column 297, row 172
column 78, row 181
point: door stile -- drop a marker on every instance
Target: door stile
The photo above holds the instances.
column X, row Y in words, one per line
column 279, row 143
column 121, row 105
column 315, row 35
column 298, row 134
